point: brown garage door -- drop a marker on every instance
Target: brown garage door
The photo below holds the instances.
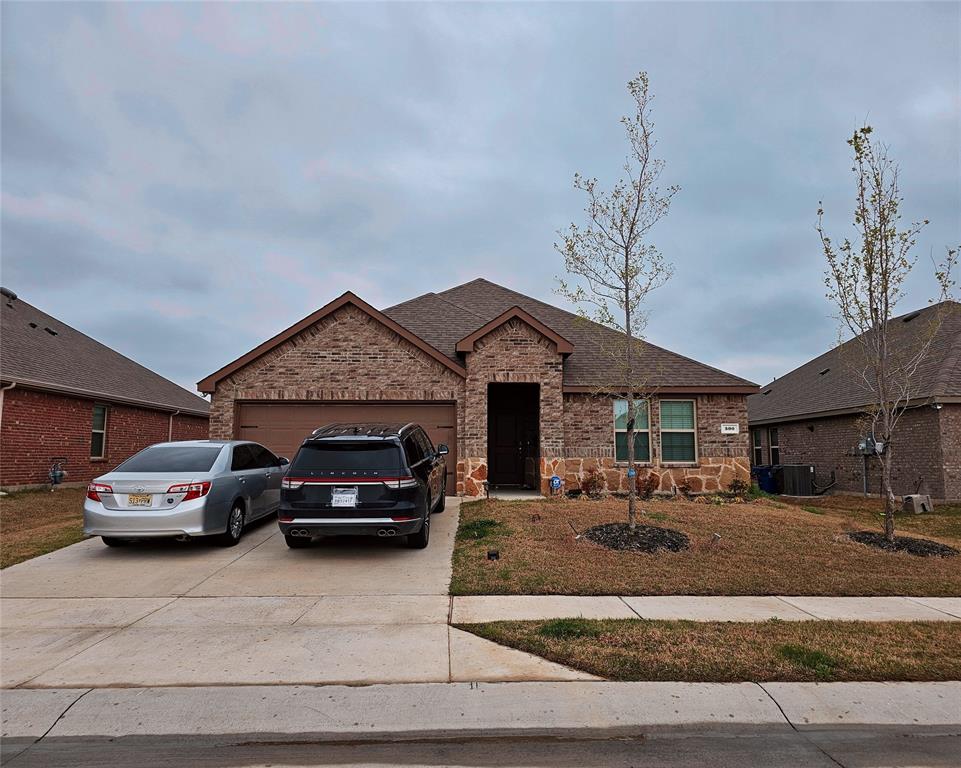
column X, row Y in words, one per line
column 282, row 426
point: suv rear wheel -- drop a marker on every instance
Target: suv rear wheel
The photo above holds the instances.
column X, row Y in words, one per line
column 420, row 539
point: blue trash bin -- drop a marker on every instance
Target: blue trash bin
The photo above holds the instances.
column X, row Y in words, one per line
column 764, row 474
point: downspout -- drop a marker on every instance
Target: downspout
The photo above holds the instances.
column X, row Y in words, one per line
column 170, row 428
column 9, row 386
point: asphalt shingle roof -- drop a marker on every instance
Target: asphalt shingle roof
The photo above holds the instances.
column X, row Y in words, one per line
column 37, row 349
column 442, row 319
column 828, row 384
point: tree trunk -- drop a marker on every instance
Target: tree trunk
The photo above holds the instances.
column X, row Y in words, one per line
column 631, row 473
column 888, row 493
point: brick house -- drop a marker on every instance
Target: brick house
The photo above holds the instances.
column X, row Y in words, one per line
column 508, row 382
column 815, row 415
column 67, row 397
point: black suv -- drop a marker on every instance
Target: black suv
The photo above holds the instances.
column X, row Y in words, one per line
column 363, row 479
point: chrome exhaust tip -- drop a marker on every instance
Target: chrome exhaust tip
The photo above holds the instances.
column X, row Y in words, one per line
column 382, row 532
column 391, row 532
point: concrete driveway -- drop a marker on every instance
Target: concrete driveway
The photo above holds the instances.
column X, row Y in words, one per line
column 344, row 611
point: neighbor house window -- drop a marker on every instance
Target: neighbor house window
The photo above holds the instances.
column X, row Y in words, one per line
column 772, row 441
column 678, row 442
column 758, row 447
column 642, row 432
column 98, row 434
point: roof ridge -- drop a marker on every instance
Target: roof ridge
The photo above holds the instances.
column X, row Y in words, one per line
column 111, row 350
column 601, row 325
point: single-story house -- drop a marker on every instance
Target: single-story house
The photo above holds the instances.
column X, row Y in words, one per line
column 67, row 398
column 815, row 414
column 509, row 383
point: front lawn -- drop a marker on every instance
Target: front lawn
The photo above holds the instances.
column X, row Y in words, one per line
column 33, row 523
column 728, row 652
column 761, row 548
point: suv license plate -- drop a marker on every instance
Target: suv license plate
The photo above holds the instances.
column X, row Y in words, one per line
column 344, row 497
column 139, row 499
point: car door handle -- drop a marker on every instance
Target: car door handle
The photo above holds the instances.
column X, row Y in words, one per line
column 243, row 479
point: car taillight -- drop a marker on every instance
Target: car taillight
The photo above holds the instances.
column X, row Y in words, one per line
column 95, row 489
column 191, row 490
column 401, row 482
column 292, row 483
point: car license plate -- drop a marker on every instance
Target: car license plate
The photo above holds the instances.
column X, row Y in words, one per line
column 344, row 497
column 139, row 500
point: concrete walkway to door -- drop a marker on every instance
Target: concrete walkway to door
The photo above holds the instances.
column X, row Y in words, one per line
column 343, row 611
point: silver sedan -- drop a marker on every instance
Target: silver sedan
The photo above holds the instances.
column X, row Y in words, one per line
column 188, row 488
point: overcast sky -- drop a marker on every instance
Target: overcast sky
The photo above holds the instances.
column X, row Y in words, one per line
column 183, row 181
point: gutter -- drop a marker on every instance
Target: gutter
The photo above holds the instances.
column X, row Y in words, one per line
column 109, row 398
column 917, row 402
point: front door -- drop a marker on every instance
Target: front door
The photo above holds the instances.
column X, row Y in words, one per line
column 512, row 434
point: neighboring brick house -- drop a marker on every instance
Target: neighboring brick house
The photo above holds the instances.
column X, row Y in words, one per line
column 67, row 397
column 815, row 415
column 508, row 382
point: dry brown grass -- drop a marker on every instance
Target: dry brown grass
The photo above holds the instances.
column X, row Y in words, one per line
column 788, row 651
column 33, row 523
column 764, row 549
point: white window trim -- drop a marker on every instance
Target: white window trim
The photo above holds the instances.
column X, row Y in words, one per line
column 771, row 446
column 757, row 447
column 106, row 417
column 650, row 449
column 661, row 430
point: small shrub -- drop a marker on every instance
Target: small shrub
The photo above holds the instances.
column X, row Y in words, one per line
column 822, row 665
column 647, row 485
column 738, row 487
column 593, row 484
column 478, row 529
column 684, row 488
column 568, row 629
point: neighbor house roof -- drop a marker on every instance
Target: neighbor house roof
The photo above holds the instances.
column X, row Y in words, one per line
column 446, row 318
column 37, row 351
column 829, row 385
column 446, row 325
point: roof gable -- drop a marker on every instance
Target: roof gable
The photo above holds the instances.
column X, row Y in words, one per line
column 466, row 344
column 41, row 352
column 210, row 382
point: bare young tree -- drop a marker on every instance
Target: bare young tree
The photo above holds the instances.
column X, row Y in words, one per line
column 865, row 279
column 616, row 265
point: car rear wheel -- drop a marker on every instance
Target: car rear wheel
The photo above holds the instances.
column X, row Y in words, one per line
column 420, row 539
column 442, row 501
column 113, row 541
column 297, row 542
column 235, row 527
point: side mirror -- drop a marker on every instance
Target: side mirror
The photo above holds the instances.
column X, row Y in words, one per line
column 442, row 450
column 282, row 461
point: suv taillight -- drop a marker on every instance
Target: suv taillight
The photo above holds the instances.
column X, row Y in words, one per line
column 95, row 489
column 292, row 483
column 400, row 482
column 191, row 490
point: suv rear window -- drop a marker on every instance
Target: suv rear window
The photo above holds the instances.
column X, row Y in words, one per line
column 360, row 456
column 172, row 458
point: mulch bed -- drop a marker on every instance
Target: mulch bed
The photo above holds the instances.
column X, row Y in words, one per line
column 644, row 538
column 919, row 547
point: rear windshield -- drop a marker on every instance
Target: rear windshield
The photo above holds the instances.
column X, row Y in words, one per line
column 172, row 458
column 361, row 456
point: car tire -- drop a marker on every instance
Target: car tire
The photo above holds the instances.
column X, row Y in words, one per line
column 113, row 541
column 297, row 542
column 235, row 527
column 442, row 501
column 421, row 539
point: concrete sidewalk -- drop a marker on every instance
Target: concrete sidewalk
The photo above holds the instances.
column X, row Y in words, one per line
column 481, row 608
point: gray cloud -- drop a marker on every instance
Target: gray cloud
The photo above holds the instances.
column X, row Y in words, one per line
column 240, row 165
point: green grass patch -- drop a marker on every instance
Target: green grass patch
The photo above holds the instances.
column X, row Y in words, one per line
column 813, row 510
column 565, row 629
column 475, row 530
column 819, row 663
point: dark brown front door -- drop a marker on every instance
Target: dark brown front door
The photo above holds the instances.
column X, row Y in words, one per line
column 282, row 426
column 512, row 435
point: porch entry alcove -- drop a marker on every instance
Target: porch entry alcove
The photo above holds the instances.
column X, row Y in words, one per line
column 513, row 440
